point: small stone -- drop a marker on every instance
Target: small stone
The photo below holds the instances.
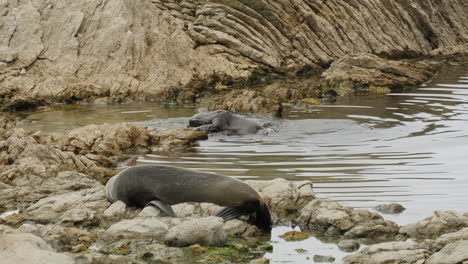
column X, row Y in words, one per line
column 79, row 248
column 150, row 211
column 348, row 245
column 320, row 258
column 265, row 247
column 116, row 209
column 196, row 250
column 260, row 261
column 294, row 236
column 392, row 208
column 300, row 250
column 241, row 247
column 85, row 239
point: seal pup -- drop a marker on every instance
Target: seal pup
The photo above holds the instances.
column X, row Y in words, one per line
column 162, row 186
column 222, row 120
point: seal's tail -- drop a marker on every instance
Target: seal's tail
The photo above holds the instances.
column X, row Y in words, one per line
column 263, row 217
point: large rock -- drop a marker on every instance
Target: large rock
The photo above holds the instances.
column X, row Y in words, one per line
column 441, row 222
column 284, row 198
column 80, row 207
column 449, row 238
column 174, row 231
column 105, row 139
column 369, row 72
column 204, row 231
column 336, row 220
column 389, row 252
column 73, row 50
column 453, row 253
column 29, row 189
column 29, row 249
column 249, row 102
column 140, row 227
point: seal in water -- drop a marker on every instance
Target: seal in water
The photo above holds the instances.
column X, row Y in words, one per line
column 223, row 120
column 162, row 186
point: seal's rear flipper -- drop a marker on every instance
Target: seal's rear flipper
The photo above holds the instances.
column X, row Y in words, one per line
column 229, row 213
column 167, row 209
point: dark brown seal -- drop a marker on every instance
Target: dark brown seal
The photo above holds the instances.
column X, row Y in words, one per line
column 222, row 120
column 163, row 186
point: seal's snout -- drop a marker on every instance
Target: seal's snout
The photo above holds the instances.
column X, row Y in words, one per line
column 195, row 123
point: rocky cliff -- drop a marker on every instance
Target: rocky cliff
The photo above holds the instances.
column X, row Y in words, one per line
column 109, row 51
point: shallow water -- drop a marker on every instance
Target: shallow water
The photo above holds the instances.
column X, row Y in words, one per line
column 408, row 148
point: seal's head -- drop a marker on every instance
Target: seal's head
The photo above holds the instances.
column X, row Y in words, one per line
column 200, row 119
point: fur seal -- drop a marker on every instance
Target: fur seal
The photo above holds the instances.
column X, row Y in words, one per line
column 163, row 186
column 221, row 120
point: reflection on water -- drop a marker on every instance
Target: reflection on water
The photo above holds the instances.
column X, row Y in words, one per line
column 408, row 148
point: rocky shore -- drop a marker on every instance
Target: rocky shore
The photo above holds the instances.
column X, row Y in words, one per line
column 242, row 56
column 53, row 207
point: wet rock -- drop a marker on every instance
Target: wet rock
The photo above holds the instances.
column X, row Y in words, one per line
column 161, row 253
column 320, row 258
column 260, row 261
column 294, row 236
column 456, row 54
column 204, row 231
column 173, row 139
column 366, row 71
column 441, row 222
column 348, row 245
column 389, row 252
column 249, row 102
column 80, row 207
column 284, row 198
column 453, row 253
column 336, row 220
column 27, row 248
column 392, row 208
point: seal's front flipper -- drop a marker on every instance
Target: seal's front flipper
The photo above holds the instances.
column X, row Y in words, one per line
column 167, row 209
column 229, row 213
column 208, row 128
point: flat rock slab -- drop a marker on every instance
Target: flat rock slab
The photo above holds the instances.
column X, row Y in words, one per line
column 27, row 248
column 389, row 252
column 441, row 222
column 336, row 220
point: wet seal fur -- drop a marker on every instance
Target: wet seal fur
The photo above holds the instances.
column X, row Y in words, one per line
column 163, row 186
column 222, row 120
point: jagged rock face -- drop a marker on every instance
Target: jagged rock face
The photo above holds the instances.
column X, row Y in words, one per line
column 365, row 71
column 69, row 50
